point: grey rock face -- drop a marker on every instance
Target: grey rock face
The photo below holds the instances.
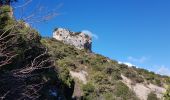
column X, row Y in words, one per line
column 78, row 39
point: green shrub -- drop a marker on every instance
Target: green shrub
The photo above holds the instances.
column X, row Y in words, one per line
column 158, row 82
column 100, row 78
column 109, row 70
column 88, row 89
column 116, row 75
column 167, row 94
column 91, row 97
column 64, row 76
column 152, row 96
column 123, row 91
column 167, row 80
column 139, row 79
column 5, row 18
column 109, row 96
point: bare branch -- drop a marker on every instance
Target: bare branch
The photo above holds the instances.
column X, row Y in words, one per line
column 6, row 43
column 39, row 14
column 24, row 5
column 4, row 96
column 36, row 64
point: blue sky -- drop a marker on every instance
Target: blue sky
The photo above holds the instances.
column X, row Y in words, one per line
column 130, row 31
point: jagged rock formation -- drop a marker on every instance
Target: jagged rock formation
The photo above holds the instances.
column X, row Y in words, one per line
column 78, row 39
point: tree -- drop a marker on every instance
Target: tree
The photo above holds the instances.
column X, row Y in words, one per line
column 7, row 2
column 7, row 38
column 26, row 69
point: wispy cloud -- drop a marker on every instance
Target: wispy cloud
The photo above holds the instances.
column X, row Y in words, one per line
column 90, row 34
column 137, row 60
column 127, row 63
column 163, row 70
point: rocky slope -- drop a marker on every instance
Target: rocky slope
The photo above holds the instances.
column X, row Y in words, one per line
column 99, row 78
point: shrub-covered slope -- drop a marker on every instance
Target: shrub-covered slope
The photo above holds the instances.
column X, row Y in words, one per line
column 27, row 71
column 97, row 77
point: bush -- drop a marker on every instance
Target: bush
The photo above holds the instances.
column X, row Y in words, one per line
column 139, row 80
column 5, row 18
column 123, row 91
column 109, row 96
column 116, row 76
column 158, row 82
column 108, row 70
column 64, row 76
column 152, row 96
column 88, row 89
column 100, row 78
column 167, row 94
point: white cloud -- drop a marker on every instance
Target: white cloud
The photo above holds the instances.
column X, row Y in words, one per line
column 163, row 70
column 90, row 34
column 138, row 60
column 127, row 63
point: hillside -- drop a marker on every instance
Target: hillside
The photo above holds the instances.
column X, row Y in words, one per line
column 36, row 68
column 27, row 71
column 98, row 77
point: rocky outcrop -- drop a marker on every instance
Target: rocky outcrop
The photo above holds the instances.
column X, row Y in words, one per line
column 78, row 39
column 143, row 90
column 80, row 75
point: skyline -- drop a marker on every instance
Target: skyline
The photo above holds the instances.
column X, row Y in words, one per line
column 132, row 32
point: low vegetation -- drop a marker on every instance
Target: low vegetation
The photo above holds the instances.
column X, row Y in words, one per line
column 167, row 94
column 26, row 69
column 104, row 75
column 152, row 96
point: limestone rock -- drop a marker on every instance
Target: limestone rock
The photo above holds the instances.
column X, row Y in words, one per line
column 78, row 39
